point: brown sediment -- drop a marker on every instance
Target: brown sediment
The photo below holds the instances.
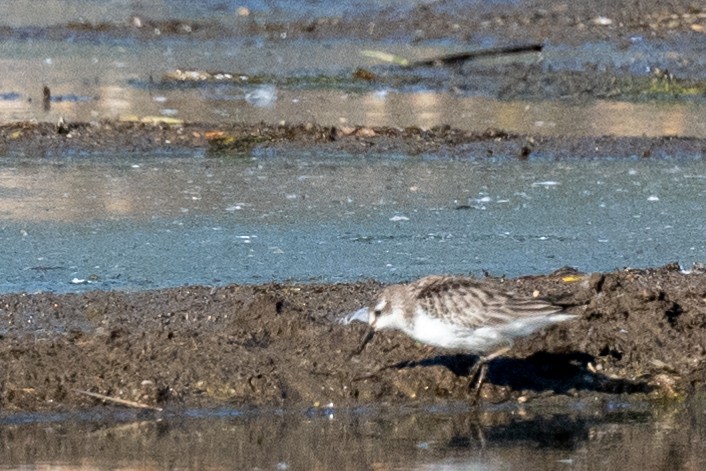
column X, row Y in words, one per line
column 225, row 140
column 640, row 333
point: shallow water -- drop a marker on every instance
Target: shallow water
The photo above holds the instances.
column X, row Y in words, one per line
column 606, row 436
column 148, row 222
column 90, row 82
column 24, row 13
column 113, row 75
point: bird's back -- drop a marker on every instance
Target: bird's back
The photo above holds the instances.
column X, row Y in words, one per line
column 475, row 304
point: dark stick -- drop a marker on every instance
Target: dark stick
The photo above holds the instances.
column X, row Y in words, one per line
column 467, row 56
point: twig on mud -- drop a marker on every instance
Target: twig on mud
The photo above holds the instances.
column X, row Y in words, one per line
column 453, row 59
column 117, row 400
column 473, row 55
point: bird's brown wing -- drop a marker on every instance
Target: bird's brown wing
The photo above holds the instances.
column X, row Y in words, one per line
column 474, row 304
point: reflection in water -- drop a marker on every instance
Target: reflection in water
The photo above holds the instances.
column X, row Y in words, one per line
column 387, row 108
column 123, row 82
column 450, row 438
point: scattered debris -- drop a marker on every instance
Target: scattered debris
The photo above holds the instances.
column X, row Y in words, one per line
column 117, row 400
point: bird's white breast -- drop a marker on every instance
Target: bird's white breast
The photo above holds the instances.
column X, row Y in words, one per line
column 443, row 333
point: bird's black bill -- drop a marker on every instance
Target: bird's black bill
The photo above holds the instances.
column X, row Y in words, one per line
column 366, row 339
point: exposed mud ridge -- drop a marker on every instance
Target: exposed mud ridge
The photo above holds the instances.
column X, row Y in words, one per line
column 640, row 333
column 466, row 22
column 44, row 140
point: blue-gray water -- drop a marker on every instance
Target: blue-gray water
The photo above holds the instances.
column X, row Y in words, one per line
column 132, row 222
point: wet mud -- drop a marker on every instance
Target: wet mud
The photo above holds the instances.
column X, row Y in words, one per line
column 570, row 22
column 641, row 333
column 45, row 140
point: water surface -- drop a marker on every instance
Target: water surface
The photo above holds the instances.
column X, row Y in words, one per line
column 453, row 437
column 145, row 222
column 117, row 73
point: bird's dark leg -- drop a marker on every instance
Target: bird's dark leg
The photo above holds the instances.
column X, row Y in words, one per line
column 481, row 377
column 476, row 377
column 480, row 369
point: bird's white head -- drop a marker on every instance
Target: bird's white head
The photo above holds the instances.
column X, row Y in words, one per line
column 387, row 313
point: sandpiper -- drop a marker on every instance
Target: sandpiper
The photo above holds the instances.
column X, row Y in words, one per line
column 459, row 313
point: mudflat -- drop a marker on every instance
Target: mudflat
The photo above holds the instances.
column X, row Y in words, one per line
column 640, row 333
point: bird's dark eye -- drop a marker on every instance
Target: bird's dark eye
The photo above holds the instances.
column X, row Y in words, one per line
column 374, row 316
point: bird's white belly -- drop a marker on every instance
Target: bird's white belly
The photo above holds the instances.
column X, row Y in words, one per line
column 440, row 333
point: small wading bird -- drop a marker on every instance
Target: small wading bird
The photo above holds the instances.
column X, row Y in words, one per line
column 458, row 313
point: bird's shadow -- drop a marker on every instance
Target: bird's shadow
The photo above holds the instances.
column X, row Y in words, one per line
column 541, row 371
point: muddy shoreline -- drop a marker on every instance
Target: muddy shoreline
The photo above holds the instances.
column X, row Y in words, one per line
column 538, row 19
column 640, row 334
column 45, row 140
